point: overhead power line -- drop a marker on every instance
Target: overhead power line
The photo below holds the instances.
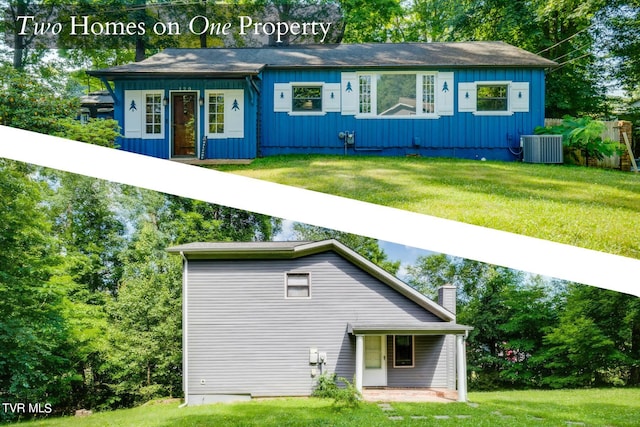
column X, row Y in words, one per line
column 566, row 40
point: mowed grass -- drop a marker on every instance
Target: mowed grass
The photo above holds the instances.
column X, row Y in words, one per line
column 587, row 207
column 597, row 407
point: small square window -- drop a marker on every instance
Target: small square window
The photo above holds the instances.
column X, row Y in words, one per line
column 403, row 351
column 492, row 97
column 298, row 285
column 307, row 98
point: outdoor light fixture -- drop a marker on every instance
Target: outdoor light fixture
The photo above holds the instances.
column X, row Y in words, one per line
column 201, row 101
column 165, row 101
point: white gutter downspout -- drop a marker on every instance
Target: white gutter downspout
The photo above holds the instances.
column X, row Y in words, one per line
column 185, row 363
column 461, row 364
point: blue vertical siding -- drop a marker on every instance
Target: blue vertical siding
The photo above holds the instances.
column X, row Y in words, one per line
column 226, row 148
column 461, row 135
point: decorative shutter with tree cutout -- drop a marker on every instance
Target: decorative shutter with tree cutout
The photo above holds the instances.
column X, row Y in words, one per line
column 444, row 94
column 282, row 97
column 349, row 94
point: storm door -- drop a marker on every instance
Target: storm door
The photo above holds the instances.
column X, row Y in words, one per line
column 375, row 361
column 184, row 124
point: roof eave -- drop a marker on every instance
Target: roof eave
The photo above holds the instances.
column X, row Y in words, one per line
column 119, row 75
column 310, row 248
column 425, row 328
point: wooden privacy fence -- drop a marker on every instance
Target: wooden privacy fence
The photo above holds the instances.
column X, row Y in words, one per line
column 615, row 130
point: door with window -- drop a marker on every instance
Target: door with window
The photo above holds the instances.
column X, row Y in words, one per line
column 375, row 361
column 184, row 124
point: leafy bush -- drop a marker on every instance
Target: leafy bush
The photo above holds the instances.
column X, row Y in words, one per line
column 328, row 388
column 96, row 131
column 582, row 134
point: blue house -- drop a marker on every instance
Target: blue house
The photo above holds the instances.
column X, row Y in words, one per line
column 468, row 100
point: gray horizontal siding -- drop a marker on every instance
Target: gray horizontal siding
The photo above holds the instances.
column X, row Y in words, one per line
column 244, row 336
column 430, row 365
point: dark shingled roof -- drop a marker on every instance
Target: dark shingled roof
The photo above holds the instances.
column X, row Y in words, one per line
column 228, row 62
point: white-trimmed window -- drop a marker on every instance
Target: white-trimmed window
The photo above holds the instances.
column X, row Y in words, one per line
column 153, row 114
column 428, row 90
column 216, row 112
column 306, row 98
column 144, row 112
column 403, row 351
column 224, row 113
column 493, row 98
column 397, row 94
column 297, row 285
column 364, row 86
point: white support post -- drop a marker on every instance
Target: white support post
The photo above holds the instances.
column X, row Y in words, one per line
column 461, row 363
column 359, row 361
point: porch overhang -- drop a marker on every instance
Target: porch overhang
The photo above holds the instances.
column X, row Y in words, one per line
column 424, row 328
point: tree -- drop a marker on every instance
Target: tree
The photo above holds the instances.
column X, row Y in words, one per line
column 27, row 102
column 367, row 21
column 623, row 19
column 365, row 246
column 33, row 330
column 145, row 357
column 597, row 341
column 508, row 310
column 90, row 232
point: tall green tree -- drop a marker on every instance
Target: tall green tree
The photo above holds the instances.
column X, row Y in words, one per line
column 365, row 246
column 623, row 20
column 145, row 357
column 597, row 341
column 33, row 330
column 509, row 312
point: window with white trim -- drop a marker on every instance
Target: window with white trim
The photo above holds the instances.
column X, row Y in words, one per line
column 216, row 112
column 364, row 86
column 428, row 94
column 153, row 114
column 298, row 285
column 224, row 113
column 397, row 94
column 307, row 99
column 403, row 351
column 144, row 114
column 492, row 97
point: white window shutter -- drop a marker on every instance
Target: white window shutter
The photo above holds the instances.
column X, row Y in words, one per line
column 133, row 113
column 519, row 97
column 444, row 94
column 281, row 97
column 331, row 97
column 349, row 93
column 234, row 113
column 467, row 97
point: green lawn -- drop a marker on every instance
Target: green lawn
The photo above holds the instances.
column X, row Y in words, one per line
column 598, row 407
column 592, row 208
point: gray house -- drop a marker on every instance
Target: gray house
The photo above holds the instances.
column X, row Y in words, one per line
column 267, row 318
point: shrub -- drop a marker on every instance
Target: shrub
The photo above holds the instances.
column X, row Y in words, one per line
column 582, row 134
column 328, row 388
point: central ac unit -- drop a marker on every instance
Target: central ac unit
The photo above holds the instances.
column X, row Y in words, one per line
column 542, row 148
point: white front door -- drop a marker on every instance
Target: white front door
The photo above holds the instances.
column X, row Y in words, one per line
column 375, row 361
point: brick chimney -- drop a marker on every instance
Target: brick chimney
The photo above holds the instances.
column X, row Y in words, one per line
column 447, row 297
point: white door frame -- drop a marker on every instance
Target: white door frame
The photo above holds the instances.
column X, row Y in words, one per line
column 374, row 361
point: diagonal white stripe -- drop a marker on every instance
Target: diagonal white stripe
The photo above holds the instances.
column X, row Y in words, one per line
column 422, row 231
